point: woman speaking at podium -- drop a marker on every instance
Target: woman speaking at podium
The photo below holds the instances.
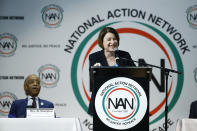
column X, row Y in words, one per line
column 108, row 40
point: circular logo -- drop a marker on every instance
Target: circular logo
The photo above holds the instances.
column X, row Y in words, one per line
column 6, row 99
column 52, row 15
column 49, row 75
column 121, row 103
column 191, row 16
column 8, row 44
column 165, row 49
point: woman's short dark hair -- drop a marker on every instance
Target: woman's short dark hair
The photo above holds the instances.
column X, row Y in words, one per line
column 102, row 34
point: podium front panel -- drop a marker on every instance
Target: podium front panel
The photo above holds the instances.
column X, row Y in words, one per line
column 100, row 75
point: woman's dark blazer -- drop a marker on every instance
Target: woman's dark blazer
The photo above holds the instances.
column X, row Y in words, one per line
column 193, row 110
column 99, row 57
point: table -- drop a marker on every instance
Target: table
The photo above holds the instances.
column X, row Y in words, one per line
column 186, row 125
column 40, row 124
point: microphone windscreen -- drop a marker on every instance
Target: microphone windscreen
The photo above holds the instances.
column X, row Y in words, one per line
column 116, row 51
column 29, row 106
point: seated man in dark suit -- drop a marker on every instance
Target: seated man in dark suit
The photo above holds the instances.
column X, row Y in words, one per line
column 32, row 89
column 193, row 110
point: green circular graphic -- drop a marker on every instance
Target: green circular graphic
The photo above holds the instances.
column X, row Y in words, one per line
column 176, row 55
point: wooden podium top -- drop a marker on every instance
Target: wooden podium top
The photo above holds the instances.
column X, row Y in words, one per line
column 137, row 72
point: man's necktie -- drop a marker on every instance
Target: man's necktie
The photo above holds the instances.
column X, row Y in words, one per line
column 34, row 102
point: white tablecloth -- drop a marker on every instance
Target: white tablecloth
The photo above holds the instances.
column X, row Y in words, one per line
column 186, row 125
column 40, row 124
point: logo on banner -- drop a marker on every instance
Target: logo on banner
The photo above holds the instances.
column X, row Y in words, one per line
column 150, row 34
column 192, row 16
column 49, row 75
column 121, row 103
column 157, row 112
column 6, row 99
column 52, row 15
column 8, row 44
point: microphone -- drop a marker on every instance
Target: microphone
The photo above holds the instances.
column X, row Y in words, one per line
column 117, row 57
column 116, row 51
column 29, row 106
column 120, row 60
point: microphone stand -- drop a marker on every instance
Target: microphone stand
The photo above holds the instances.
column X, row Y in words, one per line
column 167, row 71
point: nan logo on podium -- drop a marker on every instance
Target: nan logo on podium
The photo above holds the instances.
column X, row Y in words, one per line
column 121, row 103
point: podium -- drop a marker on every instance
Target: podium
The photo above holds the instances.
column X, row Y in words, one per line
column 109, row 104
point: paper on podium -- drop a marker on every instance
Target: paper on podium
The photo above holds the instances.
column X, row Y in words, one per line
column 41, row 112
